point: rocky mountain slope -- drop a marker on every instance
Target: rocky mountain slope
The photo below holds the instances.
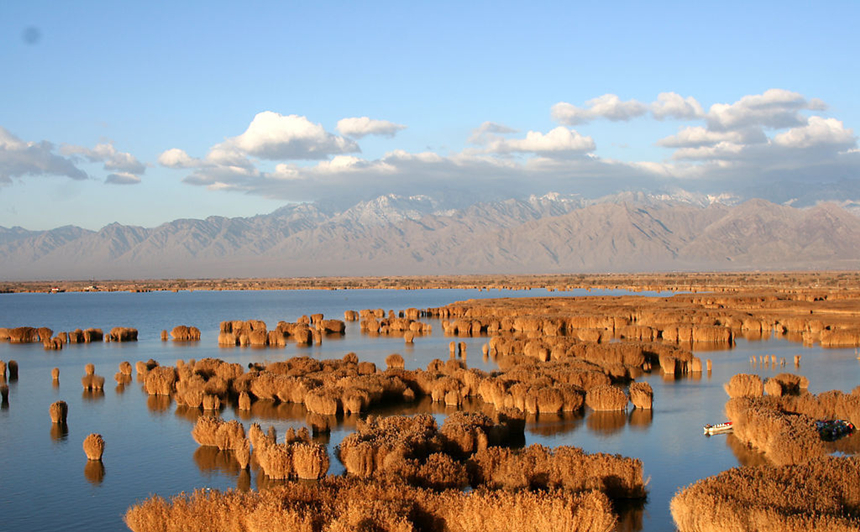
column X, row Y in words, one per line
column 395, row 235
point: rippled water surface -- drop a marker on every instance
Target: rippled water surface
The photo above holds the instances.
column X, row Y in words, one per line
column 46, row 482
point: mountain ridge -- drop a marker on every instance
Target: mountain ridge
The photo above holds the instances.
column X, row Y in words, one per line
column 417, row 235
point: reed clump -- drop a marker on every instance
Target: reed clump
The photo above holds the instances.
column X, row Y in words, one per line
column 744, row 385
column 59, row 411
column 94, row 446
column 184, row 333
column 820, row 494
column 604, row 398
column 339, row 505
column 160, row 380
column 91, row 381
column 641, row 395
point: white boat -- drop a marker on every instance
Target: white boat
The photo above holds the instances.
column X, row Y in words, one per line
column 719, row 428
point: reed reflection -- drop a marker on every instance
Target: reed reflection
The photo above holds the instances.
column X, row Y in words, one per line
column 554, row 424
column 59, row 432
column 630, row 515
column 94, row 472
column 158, row 404
column 641, row 418
column 93, row 395
column 212, row 459
column 608, row 422
column 745, row 455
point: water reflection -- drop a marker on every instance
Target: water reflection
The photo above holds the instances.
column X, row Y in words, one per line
column 606, row 422
column 187, row 413
column 243, row 481
column 158, row 404
column 641, row 418
column 212, row 459
column 746, row 455
column 551, row 425
column 630, row 515
column 94, row 472
column 93, row 395
column 59, row 432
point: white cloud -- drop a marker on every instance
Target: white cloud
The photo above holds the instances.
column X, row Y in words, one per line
column 360, row 127
column 106, row 153
column 818, row 132
column 176, row 158
column 19, row 158
column 673, row 105
column 560, row 140
column 489, row 131
column 776, row 109
column 122, row 178
column 608, row 106
column 694, row 136
column 277, row 137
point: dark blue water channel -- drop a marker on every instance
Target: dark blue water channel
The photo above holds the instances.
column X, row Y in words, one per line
column 46, row 483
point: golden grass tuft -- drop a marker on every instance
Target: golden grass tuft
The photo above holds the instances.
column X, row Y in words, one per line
column 641, row 395
column 340, row 505
column 744, row 385
column 94, row 446
column 604, row 398
column 59, row 411
column 160, row 380
column 821, row 494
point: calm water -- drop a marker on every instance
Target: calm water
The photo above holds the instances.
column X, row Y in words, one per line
column 47, row 484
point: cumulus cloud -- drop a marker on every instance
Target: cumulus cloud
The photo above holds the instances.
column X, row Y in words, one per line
column 759, row 137
column 694, row 136
column 608, row 106
column 558, row 141
column 122, row 178
column 488, row 132
column 106, row 153
column 775, row 109
column 360, row 127
column 277, row 137
column 19, row 158
column 673, row 105
column 817, row 132
column 176, row 158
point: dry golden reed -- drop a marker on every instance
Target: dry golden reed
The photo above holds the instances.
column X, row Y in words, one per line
column 341, row 505
column 822, row 494
column 59, row 411
column 94, row 446
column 744, row 385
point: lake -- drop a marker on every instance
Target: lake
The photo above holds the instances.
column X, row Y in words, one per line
column 47, row 484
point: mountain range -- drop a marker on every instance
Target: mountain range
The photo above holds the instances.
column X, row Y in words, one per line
column 399, row 235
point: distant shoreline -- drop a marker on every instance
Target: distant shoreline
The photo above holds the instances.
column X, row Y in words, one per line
column 704, row 281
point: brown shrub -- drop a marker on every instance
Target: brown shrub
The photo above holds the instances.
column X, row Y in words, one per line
column 184, row 333
column 229, row 435
column 641, row 395
column 93, row 382
column 744, row 385
column 606, row 398
column 205, row 431
column 55, row 373
column 94, row 446
column 310, row 460
column 125, row 368
column 123, row 334
column 59, row 411
column 394, row 361
column 819, row 495
column 160, row 381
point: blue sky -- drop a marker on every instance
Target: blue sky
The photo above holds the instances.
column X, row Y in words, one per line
column 141, row 113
